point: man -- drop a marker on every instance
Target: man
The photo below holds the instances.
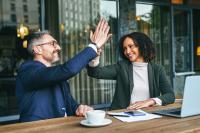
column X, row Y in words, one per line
column 41, row 88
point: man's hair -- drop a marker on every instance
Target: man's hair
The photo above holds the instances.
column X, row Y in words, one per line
column 35, row 39
column 144, row 44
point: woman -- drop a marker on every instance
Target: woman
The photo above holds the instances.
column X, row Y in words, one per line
column 140, row 83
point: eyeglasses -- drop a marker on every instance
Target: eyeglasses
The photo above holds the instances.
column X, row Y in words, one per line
column 53, row 43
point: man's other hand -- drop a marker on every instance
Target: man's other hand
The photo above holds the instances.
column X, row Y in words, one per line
column 82, row 109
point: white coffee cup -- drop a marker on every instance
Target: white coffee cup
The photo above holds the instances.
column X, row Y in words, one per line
column 95, row 116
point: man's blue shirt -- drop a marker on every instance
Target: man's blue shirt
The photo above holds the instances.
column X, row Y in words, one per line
column 43, row 92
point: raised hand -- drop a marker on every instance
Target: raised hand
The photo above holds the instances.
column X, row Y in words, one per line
column 101, row 34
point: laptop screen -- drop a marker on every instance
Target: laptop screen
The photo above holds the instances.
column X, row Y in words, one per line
column 191, row 96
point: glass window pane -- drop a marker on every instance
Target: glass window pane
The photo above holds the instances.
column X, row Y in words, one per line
column 196, row 39
column 183, row 62
column 147, row 17
column 14, row 15
column 76, row 37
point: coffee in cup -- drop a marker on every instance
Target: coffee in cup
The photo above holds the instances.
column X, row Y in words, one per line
column 95, row 116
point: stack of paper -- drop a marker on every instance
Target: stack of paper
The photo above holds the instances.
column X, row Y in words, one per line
column 132, row 118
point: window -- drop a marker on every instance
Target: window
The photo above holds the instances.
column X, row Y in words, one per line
column 71, row 24
column 66, row 14
column 158, row 31
column 71, row 5
column 13, row 18
column 76, row 25
column 12, row 52
column 196, row 39
column 25, row 8
column 80, row 9
column 76, row 16
column 182, row 38
column 76, row 7
column 71, row 15
column 12, row 7
column 67, row 24
column 88, row 90
column 26, row 19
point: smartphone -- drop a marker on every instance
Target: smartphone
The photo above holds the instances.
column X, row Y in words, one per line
column 135, row 113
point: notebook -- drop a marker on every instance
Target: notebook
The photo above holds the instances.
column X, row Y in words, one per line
column 191, row 98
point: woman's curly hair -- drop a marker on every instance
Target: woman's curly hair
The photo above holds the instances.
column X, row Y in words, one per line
column 144, row 44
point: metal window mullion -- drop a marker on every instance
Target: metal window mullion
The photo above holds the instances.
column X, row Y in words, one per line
column 42, row 14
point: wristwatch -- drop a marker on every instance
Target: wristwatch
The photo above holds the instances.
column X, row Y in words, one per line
column 95, row 45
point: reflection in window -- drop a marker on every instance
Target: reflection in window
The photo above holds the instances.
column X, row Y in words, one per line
column 85, row 89
column 147, row 17
column 196, row 40
column 13, row 18
column 12, row 6
column 12, row 52
column 25, row 8
column 183, row 62
column 26, row 19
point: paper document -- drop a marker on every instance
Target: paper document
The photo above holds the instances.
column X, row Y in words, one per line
column 126, row 117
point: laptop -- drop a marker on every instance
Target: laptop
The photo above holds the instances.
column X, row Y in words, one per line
column 191, row 98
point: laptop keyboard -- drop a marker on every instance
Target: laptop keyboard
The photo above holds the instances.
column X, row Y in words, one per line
column 176, row 111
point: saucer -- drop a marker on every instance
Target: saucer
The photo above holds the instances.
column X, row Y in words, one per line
column 104, row 123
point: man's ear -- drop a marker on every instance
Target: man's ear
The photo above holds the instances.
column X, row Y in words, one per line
column 37, row 50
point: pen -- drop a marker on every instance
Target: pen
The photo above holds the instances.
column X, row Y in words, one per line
column 135, row 113
column 119, row 115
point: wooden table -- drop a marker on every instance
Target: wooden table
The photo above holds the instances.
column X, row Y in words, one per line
column 72, row 125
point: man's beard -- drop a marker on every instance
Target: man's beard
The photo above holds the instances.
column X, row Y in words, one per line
column 56, row 61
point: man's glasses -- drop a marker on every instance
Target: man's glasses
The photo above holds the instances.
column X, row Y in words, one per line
column 53, row 43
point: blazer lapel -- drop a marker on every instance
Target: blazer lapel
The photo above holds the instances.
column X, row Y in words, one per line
column 130, row 77
column 150, row 78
